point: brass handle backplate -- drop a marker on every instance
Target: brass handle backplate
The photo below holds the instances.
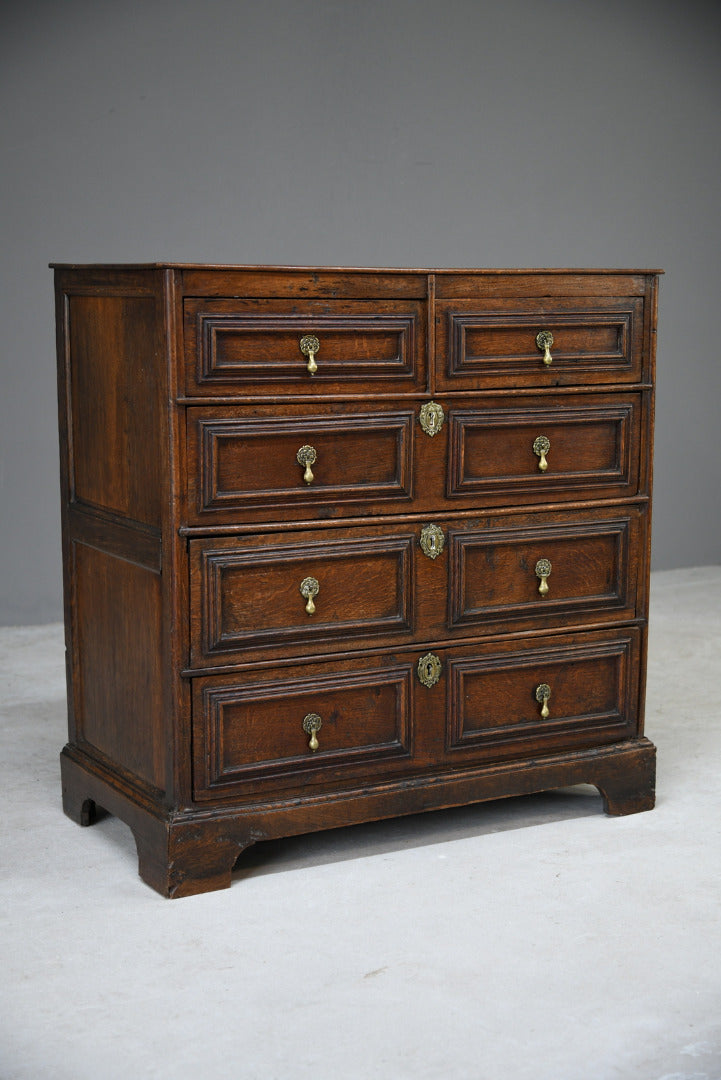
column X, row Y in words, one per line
column 312, row 724
column 541, row 447
column 309, row 587
column 544, row 340
column 543, row 694
column 543, row 571
column 431, row 418
column 306, row 457
column 432, row 541
column 429, row 669
column 309, row 346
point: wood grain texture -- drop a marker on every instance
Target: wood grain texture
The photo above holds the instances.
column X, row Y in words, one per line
column 493, row 344
column 189, row 525
column 252, row 348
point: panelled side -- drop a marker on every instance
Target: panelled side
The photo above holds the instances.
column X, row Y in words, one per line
column 111, row 390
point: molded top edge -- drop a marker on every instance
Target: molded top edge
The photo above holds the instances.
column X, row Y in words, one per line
column 343, row 269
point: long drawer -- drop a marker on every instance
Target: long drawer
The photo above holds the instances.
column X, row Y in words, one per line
column 329, row 461
column 310, row 592
column 300, row 727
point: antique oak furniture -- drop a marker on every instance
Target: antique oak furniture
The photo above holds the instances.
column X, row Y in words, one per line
column 346, row 544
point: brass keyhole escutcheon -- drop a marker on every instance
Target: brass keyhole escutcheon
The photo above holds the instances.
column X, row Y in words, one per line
column 544, row 340
column 309, row 346
column 306, row 457
column 432, row 541
column 541, row 447
column 543, row 571
column 429, row 669
column 431, row 418
column 309, row 588
column 312, row 724
column 543, row 694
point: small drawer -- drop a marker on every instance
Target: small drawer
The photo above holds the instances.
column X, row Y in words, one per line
column 503, row 345
column 303, row 347
column 316, row 462
column 580, row 446
column 300, row 592
column 313, row 726
column 563, row 692
column 563, row 568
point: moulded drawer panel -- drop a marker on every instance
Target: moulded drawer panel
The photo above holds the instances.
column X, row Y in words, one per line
column 592, row 449
column 253, row 348
column 245, row 462
column 247, row 731
column 496, row 698
column 497, row 346
column 564, row 568
column 302, row 592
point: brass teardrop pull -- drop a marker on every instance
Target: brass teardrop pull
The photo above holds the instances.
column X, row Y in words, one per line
column 306, row 457
column 312, row 724
column 309, row 587
column 543, row 571
column 544, row 340
column 309, row 346
column 541, row 447
column 543, row 694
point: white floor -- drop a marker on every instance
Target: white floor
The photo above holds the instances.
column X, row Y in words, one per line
column 531, row 939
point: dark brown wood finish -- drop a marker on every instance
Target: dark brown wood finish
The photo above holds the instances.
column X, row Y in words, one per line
column 191, row 522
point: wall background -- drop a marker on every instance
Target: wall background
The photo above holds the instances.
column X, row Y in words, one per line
column 402, row 133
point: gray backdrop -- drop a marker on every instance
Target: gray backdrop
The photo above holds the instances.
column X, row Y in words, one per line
column 405, row 133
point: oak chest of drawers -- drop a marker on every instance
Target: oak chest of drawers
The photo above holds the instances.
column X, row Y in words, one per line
column 346, row 544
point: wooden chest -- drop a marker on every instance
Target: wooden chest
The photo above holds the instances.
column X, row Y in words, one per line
column 346, row 544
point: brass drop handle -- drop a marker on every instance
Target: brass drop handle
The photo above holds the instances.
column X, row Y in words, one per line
column 312, row 724
column 543, row 694
column 309, row 346
column 309, row 587
column 306, row 457
column 544, row 340
column 541, row 447
column 543, row 571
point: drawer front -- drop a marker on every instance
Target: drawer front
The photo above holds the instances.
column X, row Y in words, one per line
column 586, row 684
column 562, row 568
column 499, row 346
column 310, row 593
column 585, row 446
column 250, row 460
column 277, row 467
column 300, row 592
column 247, row 732
column 261, row 347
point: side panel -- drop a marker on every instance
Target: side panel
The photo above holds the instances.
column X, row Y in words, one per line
column 112, row 387
column 114, row 414
column 118, row 675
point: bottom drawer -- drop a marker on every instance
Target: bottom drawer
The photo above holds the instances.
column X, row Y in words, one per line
column 416, row 712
